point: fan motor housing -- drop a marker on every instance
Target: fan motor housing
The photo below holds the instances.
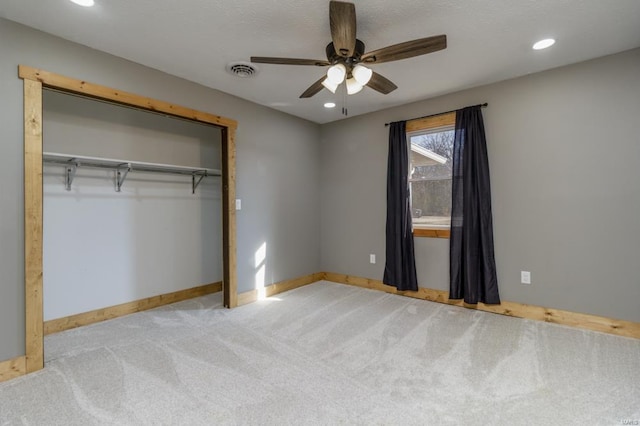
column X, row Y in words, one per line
column 333, row 57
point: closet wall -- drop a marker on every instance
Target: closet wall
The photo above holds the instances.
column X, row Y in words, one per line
column 102, row 247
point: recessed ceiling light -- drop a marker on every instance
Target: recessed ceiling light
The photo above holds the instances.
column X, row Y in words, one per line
column 330, row 105
column 543, row 44
column 85, row 3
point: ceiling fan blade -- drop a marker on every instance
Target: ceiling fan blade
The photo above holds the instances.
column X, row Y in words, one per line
column 314, row 88
column 405, row 50
column 342, row 18
column 381, row 84
column 289, row 61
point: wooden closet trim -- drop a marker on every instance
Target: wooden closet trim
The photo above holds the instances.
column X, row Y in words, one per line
column 34, row 82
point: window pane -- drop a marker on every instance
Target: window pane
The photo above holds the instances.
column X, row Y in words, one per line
column 430, row 177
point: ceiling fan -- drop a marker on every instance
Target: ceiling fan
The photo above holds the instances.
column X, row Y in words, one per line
column 346, row 55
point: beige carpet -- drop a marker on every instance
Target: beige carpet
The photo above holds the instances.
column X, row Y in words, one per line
column 327, row 354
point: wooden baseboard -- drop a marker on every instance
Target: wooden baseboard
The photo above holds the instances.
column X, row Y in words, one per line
column 273, row 289
column 513, row 309
column 13, row 368
column 86, row 318
column 16, row 367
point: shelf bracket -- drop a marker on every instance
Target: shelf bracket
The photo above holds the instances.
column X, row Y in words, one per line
column 70, row 173
column 121, row 174
column 194, row 182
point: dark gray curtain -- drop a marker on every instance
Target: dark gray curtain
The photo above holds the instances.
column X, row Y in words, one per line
column 400, row 266
column 472, row 261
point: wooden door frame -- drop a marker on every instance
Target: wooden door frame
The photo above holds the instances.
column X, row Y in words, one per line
column 35, row 80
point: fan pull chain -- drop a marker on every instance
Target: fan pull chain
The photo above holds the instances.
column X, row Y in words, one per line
column 345, row 112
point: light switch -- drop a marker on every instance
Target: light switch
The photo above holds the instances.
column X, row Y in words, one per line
column 238, row 204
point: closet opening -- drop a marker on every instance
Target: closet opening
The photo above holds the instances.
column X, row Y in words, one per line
column 101, row 155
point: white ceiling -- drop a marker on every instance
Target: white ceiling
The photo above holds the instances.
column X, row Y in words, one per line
column 488, row 41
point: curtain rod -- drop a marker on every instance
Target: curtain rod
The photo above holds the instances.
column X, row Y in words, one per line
column 440, row 113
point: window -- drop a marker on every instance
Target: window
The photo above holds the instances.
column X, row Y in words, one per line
column 430, row 168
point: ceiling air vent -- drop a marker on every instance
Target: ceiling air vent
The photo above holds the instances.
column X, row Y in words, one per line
column 242, row 69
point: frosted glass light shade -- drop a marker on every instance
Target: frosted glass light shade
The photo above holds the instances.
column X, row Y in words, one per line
column 336, row 74
column 329, row 85
column 362, row 74
column 353, row 86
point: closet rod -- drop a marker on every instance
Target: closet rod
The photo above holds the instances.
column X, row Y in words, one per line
column 100, row 162
column 123, row 167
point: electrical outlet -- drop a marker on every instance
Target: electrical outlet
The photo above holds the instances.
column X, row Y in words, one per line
column 525, row 277
column 372, row 258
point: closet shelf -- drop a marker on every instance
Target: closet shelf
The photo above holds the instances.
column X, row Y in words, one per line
column 123, row 167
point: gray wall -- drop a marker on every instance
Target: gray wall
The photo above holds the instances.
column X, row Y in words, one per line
column 564, row 153
column 277, row 167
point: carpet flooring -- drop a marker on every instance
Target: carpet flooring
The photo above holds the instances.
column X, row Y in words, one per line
column 327, row 354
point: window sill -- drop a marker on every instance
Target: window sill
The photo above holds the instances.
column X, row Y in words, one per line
column 432, row 232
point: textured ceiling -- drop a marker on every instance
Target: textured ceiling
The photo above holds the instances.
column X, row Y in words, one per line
column 488, row 41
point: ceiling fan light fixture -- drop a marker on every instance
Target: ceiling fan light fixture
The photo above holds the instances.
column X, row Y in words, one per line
column 346, row 52
column 353, row 86
column 336, row 74
column 329, row 85
column 362, row 74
